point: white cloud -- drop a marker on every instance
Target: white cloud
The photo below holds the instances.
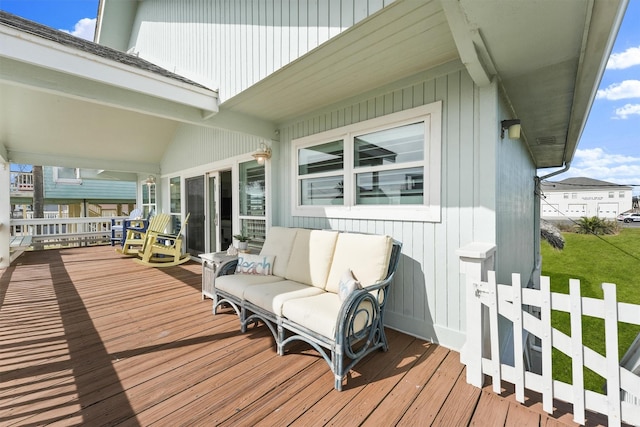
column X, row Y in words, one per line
column 596, row 163
column 626, row 59
column 626, row 89
column 84, row 28
column 597, row 156
column 628, row 110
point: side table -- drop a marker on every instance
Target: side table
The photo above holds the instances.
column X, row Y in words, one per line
column 211, row 265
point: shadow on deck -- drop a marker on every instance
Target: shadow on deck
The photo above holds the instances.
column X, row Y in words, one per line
column 90, row 338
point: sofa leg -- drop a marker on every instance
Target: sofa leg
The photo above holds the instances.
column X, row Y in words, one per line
column 338, row 382
column 280, row 340
column 338, row 366
column 243, row 315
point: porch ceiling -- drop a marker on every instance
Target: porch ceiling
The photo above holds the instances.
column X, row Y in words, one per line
column 403, row 39
column 70, row 102
column 547, row 55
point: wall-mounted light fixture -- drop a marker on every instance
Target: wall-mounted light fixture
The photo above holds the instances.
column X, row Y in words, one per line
column 513, row 126
column 262, row 153
column 150, row 180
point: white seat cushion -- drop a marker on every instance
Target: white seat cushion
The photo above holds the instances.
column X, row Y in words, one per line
column 366, row 255
column 236, row 284
column 311, row 257
column 279, row 243
column 271, row 296
column 319, row 313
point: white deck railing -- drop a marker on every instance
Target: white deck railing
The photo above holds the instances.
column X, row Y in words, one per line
column 21, row 181
column 46, row 232
column 509, row 300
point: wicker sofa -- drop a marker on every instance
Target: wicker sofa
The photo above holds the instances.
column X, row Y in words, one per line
column 326, row 288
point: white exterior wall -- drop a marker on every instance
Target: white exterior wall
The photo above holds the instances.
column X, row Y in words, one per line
column 194, row 146
column 517, row 230
column 427, row 296
column 604, row 203
column 239, row 42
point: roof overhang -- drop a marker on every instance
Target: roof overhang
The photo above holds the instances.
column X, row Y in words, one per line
column 547, row 56
column 22, row 49
column 66, row 106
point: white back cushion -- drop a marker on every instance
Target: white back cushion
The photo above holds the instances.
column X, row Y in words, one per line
column 366, row 255
column 311, row 257
column 278, row 243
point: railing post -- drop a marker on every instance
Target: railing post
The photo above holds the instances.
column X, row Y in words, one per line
column 475, row 260
column 612, row 357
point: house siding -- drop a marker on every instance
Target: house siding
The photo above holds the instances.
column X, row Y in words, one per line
column 239, row 42
column 480, row 198
column 515, row 207
column 90, row 190
column 194, row 146
column 426, row 298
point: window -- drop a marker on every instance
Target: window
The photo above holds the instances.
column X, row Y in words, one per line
column 175, row 205
column 252, row 201
column 566, row 195
column 66, row 175
column 621, row 195
column 321, row 171
column 148, row 189
column 174, row 195
column 384, row 168
column 611, row 195
column 574, row 195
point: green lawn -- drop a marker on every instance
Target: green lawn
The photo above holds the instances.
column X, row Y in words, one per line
column 594, row 260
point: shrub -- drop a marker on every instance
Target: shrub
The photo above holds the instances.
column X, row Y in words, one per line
column 595, row 225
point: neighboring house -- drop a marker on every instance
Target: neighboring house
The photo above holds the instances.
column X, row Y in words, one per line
column 577, row 197
column 379, row 116
column 83, row 192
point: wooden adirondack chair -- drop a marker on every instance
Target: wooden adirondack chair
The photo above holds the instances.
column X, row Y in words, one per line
column 164, row 250
column 136, row 239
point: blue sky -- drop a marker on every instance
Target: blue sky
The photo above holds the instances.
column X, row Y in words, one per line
column 609, row 149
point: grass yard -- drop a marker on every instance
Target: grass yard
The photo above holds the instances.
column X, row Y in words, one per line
column 594, row 260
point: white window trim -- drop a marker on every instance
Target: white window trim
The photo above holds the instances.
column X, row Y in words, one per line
column 76, row 181
column 429, row 211
column 237, row 217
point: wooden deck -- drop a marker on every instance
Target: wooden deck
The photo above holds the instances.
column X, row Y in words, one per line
column 90, row 338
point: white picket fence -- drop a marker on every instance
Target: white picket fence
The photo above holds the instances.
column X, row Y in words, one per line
column 486, row 299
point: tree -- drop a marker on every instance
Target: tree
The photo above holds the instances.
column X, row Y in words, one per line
column 38, row 192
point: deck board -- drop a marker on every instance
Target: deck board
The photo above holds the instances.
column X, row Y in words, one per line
column 88, row 337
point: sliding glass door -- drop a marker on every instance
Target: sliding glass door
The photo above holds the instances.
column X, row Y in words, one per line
column 195, row 195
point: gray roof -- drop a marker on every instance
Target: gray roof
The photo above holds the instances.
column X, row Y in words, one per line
column 582, row 184
column 66, row 39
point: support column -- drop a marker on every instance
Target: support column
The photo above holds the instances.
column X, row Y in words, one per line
column 5, row 214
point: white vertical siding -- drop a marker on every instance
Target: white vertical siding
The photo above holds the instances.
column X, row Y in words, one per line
column 239, row 42
column 427, row 298
column 515, row 205
column 195, row 146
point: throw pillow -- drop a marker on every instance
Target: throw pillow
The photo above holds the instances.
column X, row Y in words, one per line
column 255, row 264
column 347, row 284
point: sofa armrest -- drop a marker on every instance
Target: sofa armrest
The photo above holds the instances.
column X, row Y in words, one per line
column 360, row 322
